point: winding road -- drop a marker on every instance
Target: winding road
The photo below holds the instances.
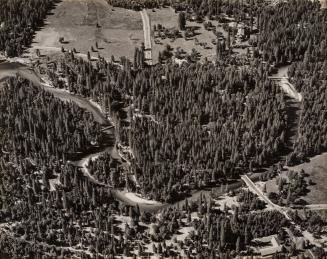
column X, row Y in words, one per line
column 11, row 69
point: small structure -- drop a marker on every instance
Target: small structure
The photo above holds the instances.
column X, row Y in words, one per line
column 267, row 246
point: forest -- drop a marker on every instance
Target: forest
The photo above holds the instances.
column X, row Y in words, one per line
column 209, row 8
column 34, row 124
column 289, row 32
column 181, row 128
column 309, row 76
column 188, row 125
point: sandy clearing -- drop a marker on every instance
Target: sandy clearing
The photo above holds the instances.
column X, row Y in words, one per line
column 227, row 201
column 282, row 78
column 134, row 197
column 289, row 89
column 118, row 33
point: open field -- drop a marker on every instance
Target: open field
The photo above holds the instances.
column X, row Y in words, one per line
column 118, row 33
column 169, row 19
column 316, row 170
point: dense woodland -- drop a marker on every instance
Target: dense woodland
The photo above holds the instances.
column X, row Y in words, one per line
column 209, row 8
column 18, row 21
column 310, row 77
column 179, row 128
column 292, row 31
column 188, row 125
column 212, row 124
column 34, row 124
column 35, row 144
column 79, row 217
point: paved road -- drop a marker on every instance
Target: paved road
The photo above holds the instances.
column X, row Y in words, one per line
column 147, row 36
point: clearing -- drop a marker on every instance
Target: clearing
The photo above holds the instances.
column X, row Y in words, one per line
column 82, row 23
column 169, row 19
column 317, row 171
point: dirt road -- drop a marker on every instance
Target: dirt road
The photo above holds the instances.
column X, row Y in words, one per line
column 283, row 81
column 147, row 36
column 316, row 207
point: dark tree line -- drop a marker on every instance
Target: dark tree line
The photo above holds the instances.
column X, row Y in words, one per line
column 210, row 8
column 188, row 125
column 290, row 29
column 309, row 77
column 35, row 124
column 19, row 19
column 49, row 206
column 210, row 125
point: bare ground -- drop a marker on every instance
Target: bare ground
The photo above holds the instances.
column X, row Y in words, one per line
column 118, row 33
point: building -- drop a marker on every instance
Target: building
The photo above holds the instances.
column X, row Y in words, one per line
column 267, row 246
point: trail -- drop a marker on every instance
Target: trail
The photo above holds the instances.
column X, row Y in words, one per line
column 147, row 36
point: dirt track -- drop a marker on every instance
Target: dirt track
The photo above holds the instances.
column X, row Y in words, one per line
column 147, row 36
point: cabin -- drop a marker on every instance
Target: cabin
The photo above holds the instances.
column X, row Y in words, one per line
column 267, row 246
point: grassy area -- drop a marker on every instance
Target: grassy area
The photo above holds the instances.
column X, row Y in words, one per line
column 169, row 19
column 118, row 32
column 316, row 171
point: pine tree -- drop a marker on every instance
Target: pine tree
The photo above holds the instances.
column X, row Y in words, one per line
column 182, row 21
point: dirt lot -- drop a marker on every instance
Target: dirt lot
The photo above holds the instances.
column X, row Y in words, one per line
column 118, row 33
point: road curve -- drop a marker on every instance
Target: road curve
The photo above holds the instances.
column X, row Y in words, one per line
column 283, row 80
column 12, row 69
column 147, row 36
